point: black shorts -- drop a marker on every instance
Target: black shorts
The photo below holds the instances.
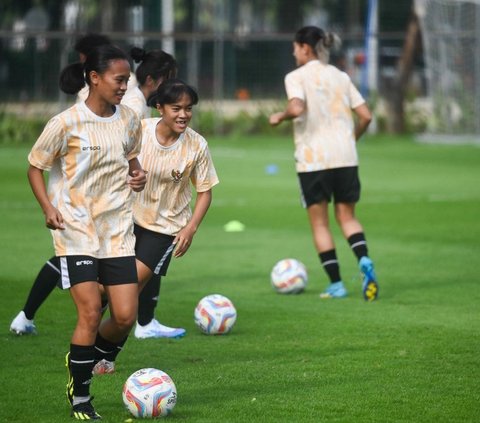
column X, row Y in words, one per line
column 153, row 249
column 107, row 271
column 343, row 183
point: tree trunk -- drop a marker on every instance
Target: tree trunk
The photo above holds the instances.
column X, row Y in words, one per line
column 404, row 70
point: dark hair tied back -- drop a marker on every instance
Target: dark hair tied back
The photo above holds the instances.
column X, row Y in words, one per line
column 138, row 54
column 72, row 78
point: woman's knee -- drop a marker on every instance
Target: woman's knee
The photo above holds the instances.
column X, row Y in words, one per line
column 124, row 320
column 90, row 318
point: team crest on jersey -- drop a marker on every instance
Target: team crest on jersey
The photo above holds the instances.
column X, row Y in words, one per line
column 176, row 176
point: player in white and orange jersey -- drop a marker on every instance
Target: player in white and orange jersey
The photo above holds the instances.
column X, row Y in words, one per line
column 91, row 153
column 321, row 99
column 175, row 157
column 154, row 67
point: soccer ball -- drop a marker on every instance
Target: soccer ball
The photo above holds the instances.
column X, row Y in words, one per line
column 289, row 276
column 149, row 393
column 215, row 314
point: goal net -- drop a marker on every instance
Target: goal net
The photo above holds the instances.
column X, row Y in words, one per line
column 451, row 40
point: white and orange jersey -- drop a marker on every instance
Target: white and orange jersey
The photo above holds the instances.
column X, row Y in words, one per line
column 135, row 99
column 324, row 134
column 164, row 205
column 87, row 157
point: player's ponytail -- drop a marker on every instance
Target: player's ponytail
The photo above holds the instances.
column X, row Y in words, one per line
column 320, row 41
column 138, row 54
column 330, row 41
column 157, row 64
column 72, row 78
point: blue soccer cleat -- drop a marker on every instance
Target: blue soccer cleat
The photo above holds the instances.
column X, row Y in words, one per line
column 335, row 290
column 155, row 329
column 370, row 284
column 23, row 326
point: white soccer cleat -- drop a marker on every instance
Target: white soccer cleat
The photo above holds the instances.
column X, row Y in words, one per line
column 23, row 326
column 104, row 367
column 155, row 329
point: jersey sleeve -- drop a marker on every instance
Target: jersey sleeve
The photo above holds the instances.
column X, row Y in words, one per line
column 135, row 138
column 204, row 175
column 49, row 146
column 356, row 98
column 293, row 86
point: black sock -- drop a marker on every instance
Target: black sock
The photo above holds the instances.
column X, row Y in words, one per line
column 358, row 244
column 43, row 285
column 107, row 350
column 81, row 365
column 330, row 264
column 148, row 299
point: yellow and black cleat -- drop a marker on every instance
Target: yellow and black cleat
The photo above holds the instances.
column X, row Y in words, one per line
column 85, row 411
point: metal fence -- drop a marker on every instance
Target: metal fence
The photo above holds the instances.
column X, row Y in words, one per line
column 221, row 68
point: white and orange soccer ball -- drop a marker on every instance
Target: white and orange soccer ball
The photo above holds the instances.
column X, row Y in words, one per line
column 149, row 393
column 289, row 276
column 215, row 315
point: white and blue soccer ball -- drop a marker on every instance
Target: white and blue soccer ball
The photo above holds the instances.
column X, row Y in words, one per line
column 215, row 315
column 289, row 276
column 149, row 393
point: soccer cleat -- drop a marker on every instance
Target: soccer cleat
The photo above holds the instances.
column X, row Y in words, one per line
column 85, row 411
column 155, row 329
column 23, row 326
column 69, row 390
column 335, row 290
column 104, row 367
column 370, row 284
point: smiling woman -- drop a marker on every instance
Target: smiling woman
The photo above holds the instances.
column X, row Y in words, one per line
column 91, row 149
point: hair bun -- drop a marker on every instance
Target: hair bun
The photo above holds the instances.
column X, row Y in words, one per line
column 138, row 54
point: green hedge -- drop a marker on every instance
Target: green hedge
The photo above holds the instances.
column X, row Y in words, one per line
column 15, row 130
column 19, row 131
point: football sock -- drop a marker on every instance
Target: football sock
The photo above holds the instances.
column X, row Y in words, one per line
column 358, row 244
column 107, row 350
column 330, row 264
column 43, row 285
column 81, row 366
column 148, row 300
column 79, row 400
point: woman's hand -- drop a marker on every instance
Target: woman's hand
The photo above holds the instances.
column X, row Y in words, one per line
column 183, row 240
column 53, row 218
column 137, row 180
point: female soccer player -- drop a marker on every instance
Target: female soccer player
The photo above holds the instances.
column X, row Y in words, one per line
column 155, row 67
column 320, row 102
column 175, row 157
column 91, row 152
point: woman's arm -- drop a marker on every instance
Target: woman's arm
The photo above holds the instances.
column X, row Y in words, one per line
column 53, row 218
column 184, row 238
column 295, row 108
column 364, row 118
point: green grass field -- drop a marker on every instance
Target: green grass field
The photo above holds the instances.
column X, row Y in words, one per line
column 412, row 356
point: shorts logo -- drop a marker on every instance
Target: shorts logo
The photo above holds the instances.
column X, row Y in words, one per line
column 84, row 263
column 176, row 176
column 91, row 148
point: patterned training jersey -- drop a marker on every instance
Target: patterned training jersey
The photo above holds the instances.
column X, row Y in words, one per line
column 135, row 99
column 164, row 205
column 87, row 157
column 324, row 134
